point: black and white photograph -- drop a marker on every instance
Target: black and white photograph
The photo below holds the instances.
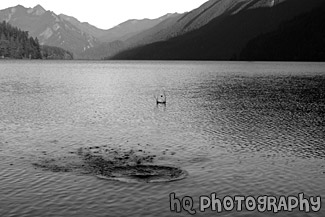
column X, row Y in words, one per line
column 162, row 108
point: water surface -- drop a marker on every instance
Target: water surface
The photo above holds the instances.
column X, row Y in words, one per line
column 237, row 128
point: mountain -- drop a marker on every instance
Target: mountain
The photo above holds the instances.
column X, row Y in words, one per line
column 84, row 26
column 156, row 33
column 300, row 39
column 196, row 19
column 132, row 27
column 186, row 22
column 218, row 30
column 49, row 28
column 120, row 32
column 114, row 40
column 69, row 33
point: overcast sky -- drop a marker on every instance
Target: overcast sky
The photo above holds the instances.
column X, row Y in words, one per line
column 108, row 13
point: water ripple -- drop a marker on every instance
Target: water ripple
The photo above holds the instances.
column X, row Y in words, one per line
column 237, row 128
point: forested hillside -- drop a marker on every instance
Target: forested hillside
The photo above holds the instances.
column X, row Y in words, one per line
column 16, row 44
column 57, row 53
column 300, row 39
column 225, row 36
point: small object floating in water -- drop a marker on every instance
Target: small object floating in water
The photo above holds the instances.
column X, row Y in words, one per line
column 161, row 98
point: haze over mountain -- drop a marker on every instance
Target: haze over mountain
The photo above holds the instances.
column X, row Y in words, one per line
column 125, row 36
column 119, row 32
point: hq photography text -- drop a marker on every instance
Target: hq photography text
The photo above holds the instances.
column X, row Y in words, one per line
column 263, row 203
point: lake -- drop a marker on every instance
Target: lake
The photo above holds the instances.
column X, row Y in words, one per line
column 236, row 128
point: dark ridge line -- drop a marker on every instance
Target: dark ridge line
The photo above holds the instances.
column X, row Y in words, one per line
column 197, row 16
column 234, row 8
column 185, row 15
column 246, row 7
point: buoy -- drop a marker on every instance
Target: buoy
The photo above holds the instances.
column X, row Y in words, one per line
column 161, row 98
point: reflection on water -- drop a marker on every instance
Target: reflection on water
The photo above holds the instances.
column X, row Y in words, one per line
column 237, row 128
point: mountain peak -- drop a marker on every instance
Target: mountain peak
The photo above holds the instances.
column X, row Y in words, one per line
column 38, row 6
column 39, row 10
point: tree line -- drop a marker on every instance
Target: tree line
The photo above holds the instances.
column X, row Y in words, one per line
column 16, row 44
column 55, row 53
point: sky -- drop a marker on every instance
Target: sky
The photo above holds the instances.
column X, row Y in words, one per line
column 105, row 14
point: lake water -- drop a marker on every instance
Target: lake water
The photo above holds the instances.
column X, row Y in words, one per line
column 237, row 128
